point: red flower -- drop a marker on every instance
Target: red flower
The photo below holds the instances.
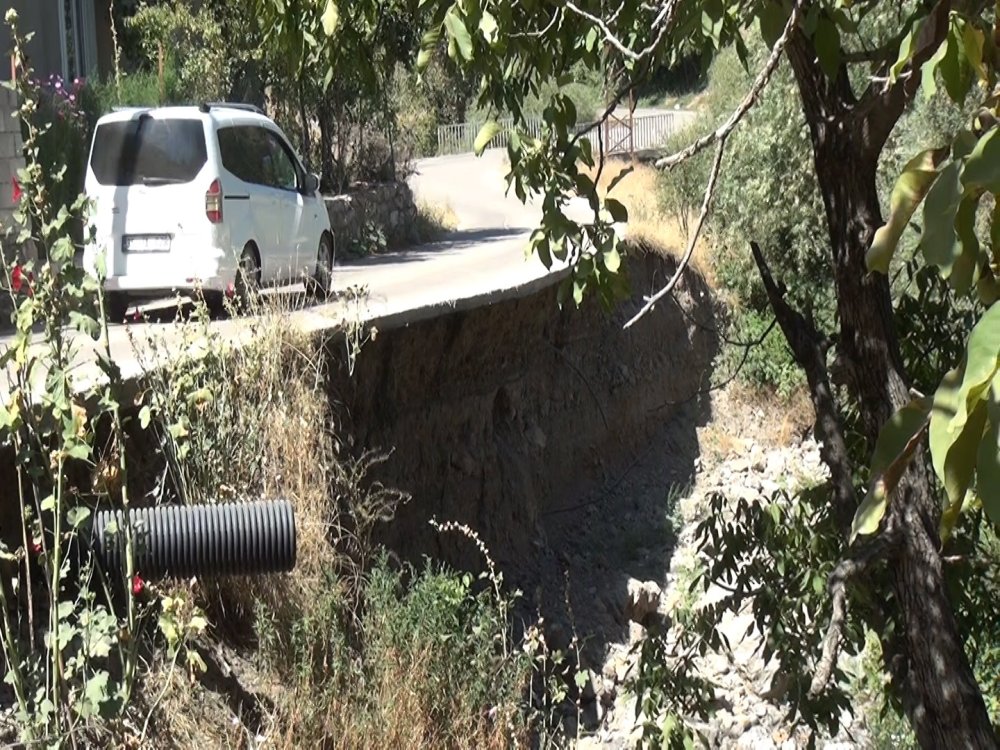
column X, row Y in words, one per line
column 16, row 189
column 36, row 547
column 16, row 279
column 138, row 585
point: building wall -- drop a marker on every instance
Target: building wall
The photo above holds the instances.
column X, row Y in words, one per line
column 45, row 49
column 11, row 154
column 42, row 18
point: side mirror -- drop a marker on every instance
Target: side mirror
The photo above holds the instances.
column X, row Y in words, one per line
column 311, row 185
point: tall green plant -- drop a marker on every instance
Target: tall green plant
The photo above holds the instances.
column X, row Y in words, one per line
column 69, row 629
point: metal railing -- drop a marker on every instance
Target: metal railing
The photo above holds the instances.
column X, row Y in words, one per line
column 646, row 132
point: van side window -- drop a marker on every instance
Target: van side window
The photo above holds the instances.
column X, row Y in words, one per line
column 285, row 171
column 245, row 153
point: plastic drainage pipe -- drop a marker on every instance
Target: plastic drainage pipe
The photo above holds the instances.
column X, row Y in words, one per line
column 177, row 541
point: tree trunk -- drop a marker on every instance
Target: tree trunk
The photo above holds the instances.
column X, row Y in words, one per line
column 327, row 170
column 943, row 701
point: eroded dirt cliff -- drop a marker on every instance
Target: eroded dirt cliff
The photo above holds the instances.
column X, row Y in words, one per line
column 502, row 415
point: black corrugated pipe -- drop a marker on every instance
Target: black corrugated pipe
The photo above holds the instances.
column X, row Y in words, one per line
column 177, row 541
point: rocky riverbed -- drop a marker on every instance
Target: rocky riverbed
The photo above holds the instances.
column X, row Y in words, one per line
column 621, row 528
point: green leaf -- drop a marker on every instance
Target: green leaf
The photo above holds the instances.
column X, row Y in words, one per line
column 973, row 41
column 896, row 433
column 144, row 417
column 988, row 458
column 772, row 18
column 960, row 461
column 870, row 512
column 488, row 27
column 945, row 406
column 928, row 73
column 828, row 50
column 79, row 451
column 965, row 268
column 905, row 52
column 76, row 516
column 982, row 168
column 955, row 70
column 428, row 46
column 612, row 260
column 459, row 34
column 486, row 134
column 959, row 415
column 330, row 18
column 939, row 240
column 913, row 184
column 897, row 441
column 980, row 367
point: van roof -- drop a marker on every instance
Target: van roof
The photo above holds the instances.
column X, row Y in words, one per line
column 228, row 112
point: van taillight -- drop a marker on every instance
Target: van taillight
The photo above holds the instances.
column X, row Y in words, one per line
column 213, row 202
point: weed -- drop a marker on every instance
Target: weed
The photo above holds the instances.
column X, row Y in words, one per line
column 434, row 221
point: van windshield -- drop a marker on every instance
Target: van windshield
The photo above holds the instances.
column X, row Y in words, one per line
column 148, row 151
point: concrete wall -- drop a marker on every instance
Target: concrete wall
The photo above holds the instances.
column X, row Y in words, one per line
column 389, row 207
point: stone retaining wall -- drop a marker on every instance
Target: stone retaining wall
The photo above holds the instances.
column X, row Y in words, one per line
column 372, row 218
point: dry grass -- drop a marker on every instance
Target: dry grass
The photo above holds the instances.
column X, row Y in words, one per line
column 266, row 432
column 744, row 414
column 261, row 432
column 435, row 220
column 650, row 225
column 397, row 717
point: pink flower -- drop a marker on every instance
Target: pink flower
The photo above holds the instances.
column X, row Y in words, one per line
column 17, row 189
column 36, row 547
column 138, row 585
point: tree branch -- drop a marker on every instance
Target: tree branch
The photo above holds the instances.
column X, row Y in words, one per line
column 663, row 21
column 692, row 241
column 749, row 100
column 809, row 349
column 861, row 555
column 884, row 102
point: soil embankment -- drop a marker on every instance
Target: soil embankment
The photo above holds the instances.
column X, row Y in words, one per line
column 500, row 415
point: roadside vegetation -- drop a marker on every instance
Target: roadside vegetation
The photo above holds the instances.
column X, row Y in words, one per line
column 355, row 649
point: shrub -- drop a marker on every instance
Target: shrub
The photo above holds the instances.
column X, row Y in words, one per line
column 419, row 667
column 192, row 46
column 66, row 114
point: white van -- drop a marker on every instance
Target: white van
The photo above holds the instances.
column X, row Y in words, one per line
column 209, row 198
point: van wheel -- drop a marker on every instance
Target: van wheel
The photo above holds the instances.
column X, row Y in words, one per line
column 116, row 306
column 247, row 285
column 320, row 283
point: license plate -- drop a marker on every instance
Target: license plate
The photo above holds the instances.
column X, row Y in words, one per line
column 146, row 243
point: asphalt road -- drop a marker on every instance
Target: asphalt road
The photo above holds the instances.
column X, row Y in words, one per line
column 485, row 254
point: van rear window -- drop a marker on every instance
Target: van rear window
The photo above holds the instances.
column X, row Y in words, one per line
column 148, row 151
